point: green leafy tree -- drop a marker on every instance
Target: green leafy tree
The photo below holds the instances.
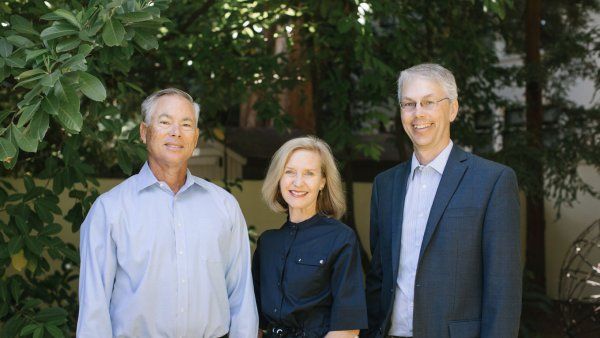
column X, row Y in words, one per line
column 59, row 61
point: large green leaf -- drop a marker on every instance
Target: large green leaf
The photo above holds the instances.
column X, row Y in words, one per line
column 22, row 25
column 69, row 115
column 27, row 113
column 32, row 54
column 135, row 17
column 68, row 16
column 25, row 142
column 39, row 125
column 68, row 44
column 146, row 40
column 20, row 41
column 7, row 150
column 91, row 87
column 6, row 48
column 113, row 32
column 57, row 31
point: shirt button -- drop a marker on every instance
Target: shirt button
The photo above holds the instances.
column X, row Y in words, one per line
column 274, row 310
column 321, row 262
column 181, row 252
column 424, row 186
column 299, row 259
column 278, row 284
column 182, row 311
column 183, row 281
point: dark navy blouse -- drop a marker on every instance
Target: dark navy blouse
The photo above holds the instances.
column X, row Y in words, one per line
column 308, row 275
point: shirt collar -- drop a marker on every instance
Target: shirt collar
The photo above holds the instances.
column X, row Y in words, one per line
column 146, row 178
column 438, row 163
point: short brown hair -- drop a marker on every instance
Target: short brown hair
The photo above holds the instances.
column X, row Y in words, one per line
column 331, row 201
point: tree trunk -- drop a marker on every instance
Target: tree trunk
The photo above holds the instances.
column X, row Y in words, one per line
column 536, row 253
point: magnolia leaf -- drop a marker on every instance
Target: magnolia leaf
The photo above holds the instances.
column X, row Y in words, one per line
column 67, row 44
column 39, row 125
column 27, row 113
column 22, row 25
column 7, row 150
column 20, row 41
column 25, row 142
column 5, row 48
column 135, row 17
column 145, row 40
column 32, row 54
column 91, row 87
column 18, row 260
column 68, row 16
column 113, row 32
column 57, row 31
column 68, row 109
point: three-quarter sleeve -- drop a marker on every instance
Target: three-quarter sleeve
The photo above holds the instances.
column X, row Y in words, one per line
column 97, row 274
column 349, row 309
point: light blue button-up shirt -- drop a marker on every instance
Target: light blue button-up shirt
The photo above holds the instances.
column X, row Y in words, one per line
column 159, row 264
column 420, row 192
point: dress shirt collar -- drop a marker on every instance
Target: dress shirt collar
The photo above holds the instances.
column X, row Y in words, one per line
column 146, row 178
column 438, row 163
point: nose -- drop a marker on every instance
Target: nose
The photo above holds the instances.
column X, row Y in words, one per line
column 175, row 130
column 297, row 180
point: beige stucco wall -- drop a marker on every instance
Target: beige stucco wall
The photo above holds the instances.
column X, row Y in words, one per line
column 560, row 233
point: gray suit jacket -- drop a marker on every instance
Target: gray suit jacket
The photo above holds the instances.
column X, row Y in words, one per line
column 468, row 281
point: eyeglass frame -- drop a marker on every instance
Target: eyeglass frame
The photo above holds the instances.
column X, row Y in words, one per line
column 429, row 106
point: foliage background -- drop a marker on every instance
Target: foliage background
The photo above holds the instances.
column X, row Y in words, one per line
column 73, row 74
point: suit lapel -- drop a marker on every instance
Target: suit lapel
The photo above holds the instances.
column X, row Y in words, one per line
column 453, row 174
column 397, row 209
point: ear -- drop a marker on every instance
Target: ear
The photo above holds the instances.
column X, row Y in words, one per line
column 143, row 132
column 453, row 110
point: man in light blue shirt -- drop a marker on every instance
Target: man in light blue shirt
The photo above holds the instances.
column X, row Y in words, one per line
column 165, row 253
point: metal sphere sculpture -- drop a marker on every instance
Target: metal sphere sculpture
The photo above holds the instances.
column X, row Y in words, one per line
column 579, row 285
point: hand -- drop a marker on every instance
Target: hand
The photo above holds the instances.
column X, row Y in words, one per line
column 260, row 333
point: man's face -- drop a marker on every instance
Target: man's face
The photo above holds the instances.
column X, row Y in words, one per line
column 172, row 134
column 428, row 128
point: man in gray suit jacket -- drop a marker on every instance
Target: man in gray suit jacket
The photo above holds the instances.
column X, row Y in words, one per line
column 444, row 229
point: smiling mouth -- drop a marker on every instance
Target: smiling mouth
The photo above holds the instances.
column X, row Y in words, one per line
column 295, row 193
column 421, row 126
column 173, row 146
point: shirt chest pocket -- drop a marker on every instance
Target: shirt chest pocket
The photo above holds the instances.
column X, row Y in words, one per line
column 308, row 275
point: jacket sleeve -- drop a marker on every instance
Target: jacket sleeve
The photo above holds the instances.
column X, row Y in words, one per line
column 374, row 274
column 501, row 303
column 97, row 274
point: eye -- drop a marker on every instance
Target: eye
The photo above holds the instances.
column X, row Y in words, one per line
column 427, row 103
column 164, row 122
column 309, row 173
column 408, row 104
column 289, row 172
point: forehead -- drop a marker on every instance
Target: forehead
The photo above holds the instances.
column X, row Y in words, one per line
column 174, row 106
column 416, row 87
column 304, row 158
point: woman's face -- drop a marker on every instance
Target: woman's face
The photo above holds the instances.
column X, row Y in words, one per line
column 301, row 182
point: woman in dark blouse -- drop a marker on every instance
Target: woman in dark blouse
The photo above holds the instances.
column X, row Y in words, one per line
column 307, row 274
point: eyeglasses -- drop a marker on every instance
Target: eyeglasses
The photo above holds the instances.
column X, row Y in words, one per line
column 426, row 104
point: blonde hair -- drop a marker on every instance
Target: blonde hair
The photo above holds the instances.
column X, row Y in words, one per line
column 331, row 200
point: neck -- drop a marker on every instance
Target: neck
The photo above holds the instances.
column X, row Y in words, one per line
column 174, row 176
column 299, row 215
column 425, row 156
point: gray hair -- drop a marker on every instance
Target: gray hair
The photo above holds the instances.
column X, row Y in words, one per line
column 430, row 71
column 150, row 102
